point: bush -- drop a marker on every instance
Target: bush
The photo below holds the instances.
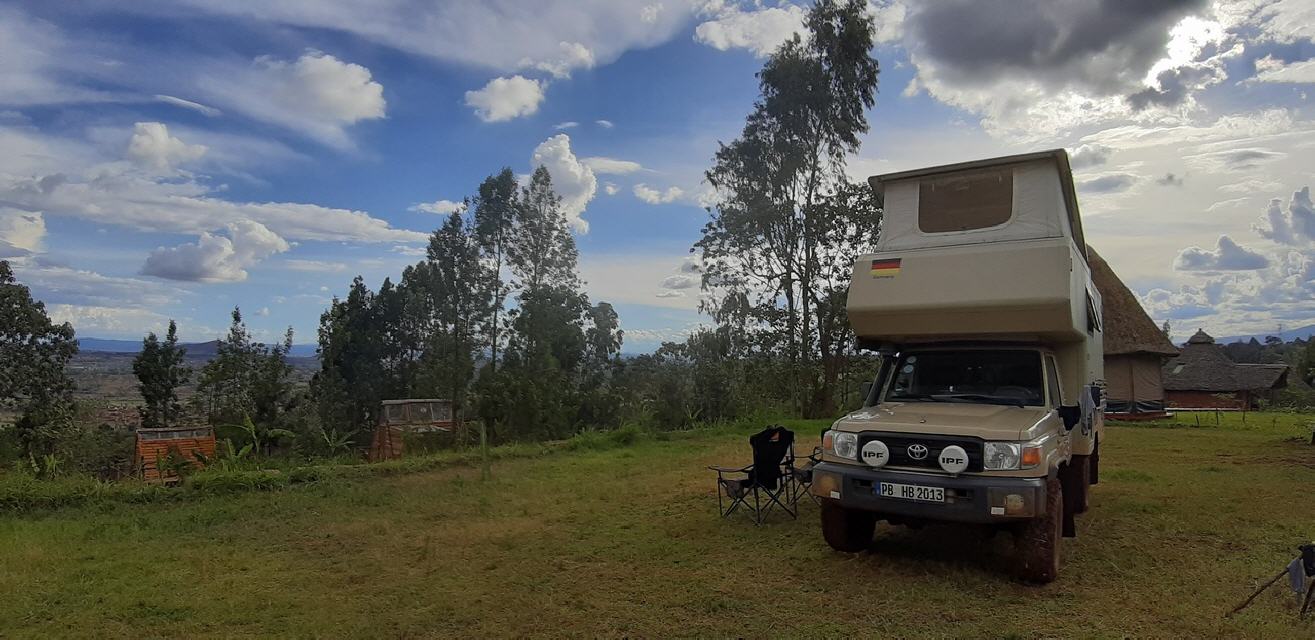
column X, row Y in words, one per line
column 229, row 482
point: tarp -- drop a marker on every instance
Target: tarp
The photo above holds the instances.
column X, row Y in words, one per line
column 1133, row 383
column 1037, row 210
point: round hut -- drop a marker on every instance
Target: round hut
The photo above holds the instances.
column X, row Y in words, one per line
column 1203, row 377
column 1135, row 349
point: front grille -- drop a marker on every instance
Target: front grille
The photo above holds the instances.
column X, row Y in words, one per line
column 899, row 443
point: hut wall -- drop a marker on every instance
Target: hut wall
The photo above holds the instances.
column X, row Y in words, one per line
column 1207, row 399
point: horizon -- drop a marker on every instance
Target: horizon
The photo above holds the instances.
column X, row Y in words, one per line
column 178, row 160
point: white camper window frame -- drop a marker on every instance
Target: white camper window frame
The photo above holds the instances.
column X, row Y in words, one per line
column 1013, row 202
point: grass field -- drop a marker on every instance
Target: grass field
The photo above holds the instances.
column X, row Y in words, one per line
column 626, row 541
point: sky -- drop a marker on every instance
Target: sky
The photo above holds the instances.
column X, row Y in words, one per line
column 172, row 159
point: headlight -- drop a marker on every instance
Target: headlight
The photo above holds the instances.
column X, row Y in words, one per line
column 841, row 444
column 1010, row 456
column 1001, row 456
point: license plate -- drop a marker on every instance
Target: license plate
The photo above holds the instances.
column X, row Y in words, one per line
column 910, row 492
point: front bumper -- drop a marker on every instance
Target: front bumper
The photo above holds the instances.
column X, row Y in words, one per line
column 968, row 498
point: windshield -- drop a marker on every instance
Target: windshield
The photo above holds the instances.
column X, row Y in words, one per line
column 982, row 376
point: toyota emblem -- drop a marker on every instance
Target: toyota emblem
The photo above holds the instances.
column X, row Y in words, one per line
column 917, row 451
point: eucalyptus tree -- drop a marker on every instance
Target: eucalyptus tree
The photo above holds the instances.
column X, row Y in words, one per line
column 788, row 223
column 494, row 221
column 160, row 372
column 460, row 285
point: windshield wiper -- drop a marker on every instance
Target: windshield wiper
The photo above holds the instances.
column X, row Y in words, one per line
column 979, row 397
column 918, row 396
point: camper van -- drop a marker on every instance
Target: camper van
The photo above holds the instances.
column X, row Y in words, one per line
column 986, row 407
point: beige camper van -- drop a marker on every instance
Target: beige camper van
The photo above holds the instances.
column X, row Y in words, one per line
column 987, row 406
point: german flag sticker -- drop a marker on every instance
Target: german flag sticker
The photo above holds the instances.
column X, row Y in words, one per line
column 888, row 268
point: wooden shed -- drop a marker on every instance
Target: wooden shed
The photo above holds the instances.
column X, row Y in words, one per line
column 399, row 419
column 1203, row 377
column 1135, row 349
column 181, row 443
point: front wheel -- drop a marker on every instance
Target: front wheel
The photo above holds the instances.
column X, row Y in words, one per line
column 848, row 530
column 1037, row 543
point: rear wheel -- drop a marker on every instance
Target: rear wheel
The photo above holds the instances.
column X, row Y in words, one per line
column 848, row 530
column 1037, row 543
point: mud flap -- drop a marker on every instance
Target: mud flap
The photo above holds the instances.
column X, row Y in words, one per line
column 1070, row 483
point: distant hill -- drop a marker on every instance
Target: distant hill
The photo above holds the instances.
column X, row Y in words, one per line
column 1288, row 335
column 194, row 349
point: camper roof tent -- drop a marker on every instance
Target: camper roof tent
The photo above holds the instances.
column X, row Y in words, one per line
column 1020, row 197
column 991, row 249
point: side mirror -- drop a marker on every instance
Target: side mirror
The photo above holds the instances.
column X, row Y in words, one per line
column 1071, row 415
column 865, row 390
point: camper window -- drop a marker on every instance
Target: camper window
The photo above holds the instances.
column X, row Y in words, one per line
column 962, row 202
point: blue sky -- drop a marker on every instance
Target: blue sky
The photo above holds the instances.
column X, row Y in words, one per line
column 173, row 159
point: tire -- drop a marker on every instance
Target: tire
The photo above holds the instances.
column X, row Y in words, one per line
column 1037, row 542
column 848, row 530
column 1078, row 496
column 1095, row 464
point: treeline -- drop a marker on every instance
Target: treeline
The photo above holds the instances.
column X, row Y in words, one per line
column 495, row 319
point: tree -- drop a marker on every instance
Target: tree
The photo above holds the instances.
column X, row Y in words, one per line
column 458, row 286
column 1167, row 330
column 160, row 371
column 494, row 222
column 788, row 224
column 246, row 379
column 34, row 355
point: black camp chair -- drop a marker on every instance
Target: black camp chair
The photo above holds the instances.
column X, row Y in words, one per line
column 769, row 481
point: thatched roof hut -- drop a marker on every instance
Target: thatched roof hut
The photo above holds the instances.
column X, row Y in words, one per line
column 1135, row 348
column 1204, row 376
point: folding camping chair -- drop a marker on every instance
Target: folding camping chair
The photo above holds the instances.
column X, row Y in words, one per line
column 769, row 481
column 803, row 476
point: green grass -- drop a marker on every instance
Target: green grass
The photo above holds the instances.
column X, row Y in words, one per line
column 621, row 538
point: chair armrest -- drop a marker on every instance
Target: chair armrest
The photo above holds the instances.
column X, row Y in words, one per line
column 731, row 469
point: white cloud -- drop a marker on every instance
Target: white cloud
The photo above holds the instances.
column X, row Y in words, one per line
column 679, row 282
column 1226, row 256
column 40, row 64
column 1296, row 72
column 202, row 109
column 21, row 233
column 1089, row 155
column 670, row 294
column 263, row 312
column 1289, row 227
column 569, row 56
column 601, row 164
column 151, row 146
column 56, row 284
column 573, row 180
column 317, row 94
column 611, row 189
column 214, row 258
column 64, row 177
column 606, row 124
column 562, row 126
column 759, row 30
column 888, row 17
column 441, row 207
column 489, row 35
column 315, row 266
column 654, row 196
column 506, row 98
column 93, row 320
column 649, row 13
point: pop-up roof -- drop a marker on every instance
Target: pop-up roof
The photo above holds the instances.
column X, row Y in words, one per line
column 1020, row 197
